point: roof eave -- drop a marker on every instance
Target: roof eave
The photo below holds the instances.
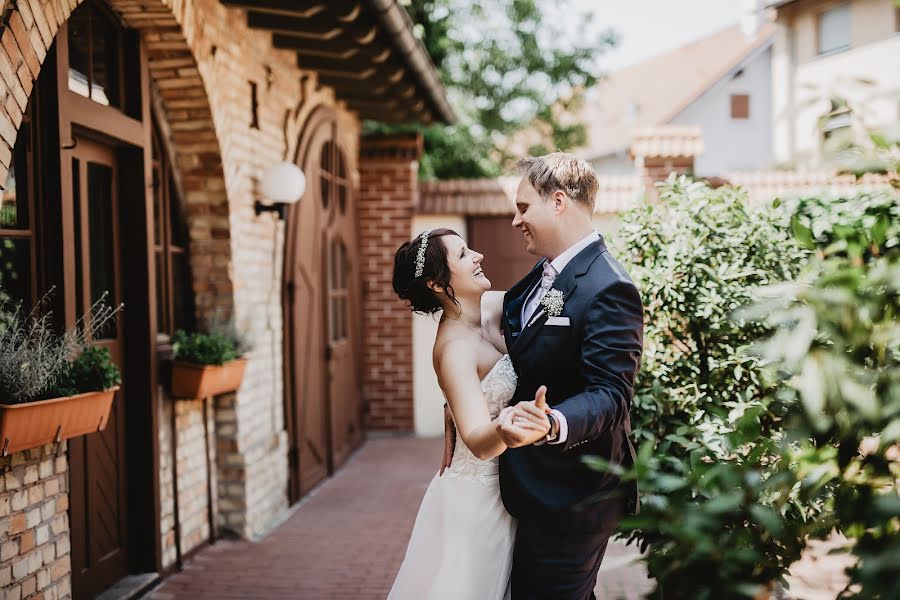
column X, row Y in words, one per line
column 395, row 21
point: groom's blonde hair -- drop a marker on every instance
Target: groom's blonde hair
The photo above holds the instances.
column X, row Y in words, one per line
column 561, row 171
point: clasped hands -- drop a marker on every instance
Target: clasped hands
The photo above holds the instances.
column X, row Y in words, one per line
column 519, row 425
column 526, row 422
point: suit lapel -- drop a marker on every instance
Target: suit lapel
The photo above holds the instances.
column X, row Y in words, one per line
column 513, row 300
column 566, row 282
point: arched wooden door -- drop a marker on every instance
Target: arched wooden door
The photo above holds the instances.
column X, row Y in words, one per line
column 322, row 319
column 342, row 306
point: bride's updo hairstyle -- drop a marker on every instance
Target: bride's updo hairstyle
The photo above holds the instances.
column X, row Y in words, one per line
column 412, row 286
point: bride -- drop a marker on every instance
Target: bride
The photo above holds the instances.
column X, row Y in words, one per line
column 462, row 543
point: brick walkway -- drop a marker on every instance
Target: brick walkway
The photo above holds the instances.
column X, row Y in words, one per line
column 347, row 540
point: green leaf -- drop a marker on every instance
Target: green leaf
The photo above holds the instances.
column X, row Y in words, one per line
column 767, row 518
column 802, row 233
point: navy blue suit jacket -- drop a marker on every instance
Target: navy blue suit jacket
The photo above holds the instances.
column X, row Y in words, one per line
column 589, row 369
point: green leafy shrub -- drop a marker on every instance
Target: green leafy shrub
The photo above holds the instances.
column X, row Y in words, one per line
column 836, row 355
column 34, row 354
column 696, row 258
column 222, row 343
column 91, row 371
column 719, row 518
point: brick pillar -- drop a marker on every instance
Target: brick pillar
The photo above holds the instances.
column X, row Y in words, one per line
column 35, row 558
column 388, row 167
column 653, row 169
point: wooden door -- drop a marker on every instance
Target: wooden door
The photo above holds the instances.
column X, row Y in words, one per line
column 505, row 259
column 305, row 381
column 97, row 461
column 342, row 306
column 323, row 361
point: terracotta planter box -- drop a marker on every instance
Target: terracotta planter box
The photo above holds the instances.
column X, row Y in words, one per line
column 190, row 380
column 33, row 424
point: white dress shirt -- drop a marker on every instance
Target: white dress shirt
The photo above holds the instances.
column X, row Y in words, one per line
column 557, row 264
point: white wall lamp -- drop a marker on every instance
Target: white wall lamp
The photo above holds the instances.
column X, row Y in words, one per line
column 281, row 185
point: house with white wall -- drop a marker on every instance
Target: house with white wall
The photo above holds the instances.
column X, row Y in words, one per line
column 834, row 73
column 720, row 84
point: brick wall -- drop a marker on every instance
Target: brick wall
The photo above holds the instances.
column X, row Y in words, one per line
column 388, row 169
column 652, row 169
column 34, row 526
column 202, row 58
column 195, row 475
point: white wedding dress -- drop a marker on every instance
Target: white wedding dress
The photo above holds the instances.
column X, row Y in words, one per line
column 462, row 543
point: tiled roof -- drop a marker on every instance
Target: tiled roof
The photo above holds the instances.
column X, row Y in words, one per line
column 496, row 197
column 668, row 141
column 655, row 91
column 765, row 186
column 618, row 193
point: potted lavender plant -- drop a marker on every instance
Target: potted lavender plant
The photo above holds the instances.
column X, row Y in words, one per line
column 52, row 386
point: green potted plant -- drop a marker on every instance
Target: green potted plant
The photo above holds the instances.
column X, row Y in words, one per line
column 53, row 386
column 207, row 363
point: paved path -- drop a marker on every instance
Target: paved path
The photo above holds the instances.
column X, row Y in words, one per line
column 346, row 541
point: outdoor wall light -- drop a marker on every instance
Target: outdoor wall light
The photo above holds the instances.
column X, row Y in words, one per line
column 281, row 185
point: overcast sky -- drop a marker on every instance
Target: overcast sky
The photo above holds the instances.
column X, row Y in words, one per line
column 650, row 27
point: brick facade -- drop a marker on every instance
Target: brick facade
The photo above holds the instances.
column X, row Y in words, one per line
column 197, row 469
column 34, row 525
column 388, row 170
column 202, row 58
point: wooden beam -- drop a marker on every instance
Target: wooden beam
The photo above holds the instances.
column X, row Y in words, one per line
column 294, row 8
column 322, row 26
column 358, row 62
column 361, row 38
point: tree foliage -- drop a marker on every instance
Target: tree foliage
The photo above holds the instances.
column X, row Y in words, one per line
column 507, row 65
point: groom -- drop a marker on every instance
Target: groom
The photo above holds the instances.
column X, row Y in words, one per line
column 574, row 324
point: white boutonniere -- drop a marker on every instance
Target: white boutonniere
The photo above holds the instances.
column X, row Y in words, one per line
column 553, row 302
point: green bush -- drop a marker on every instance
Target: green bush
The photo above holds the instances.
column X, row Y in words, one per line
column 212, row 348
column 765, row 426
column 91, row 371
column 719, row 519
column 835, row 353
column 696, row 258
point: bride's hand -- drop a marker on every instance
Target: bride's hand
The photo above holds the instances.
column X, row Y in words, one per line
column 533, row 415
column 525, row 423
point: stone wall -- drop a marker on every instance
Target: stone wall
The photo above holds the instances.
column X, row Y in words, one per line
column 34, row 524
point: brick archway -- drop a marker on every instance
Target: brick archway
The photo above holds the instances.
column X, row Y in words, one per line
column 28, row 31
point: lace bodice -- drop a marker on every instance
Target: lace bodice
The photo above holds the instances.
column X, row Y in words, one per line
column 498, row 387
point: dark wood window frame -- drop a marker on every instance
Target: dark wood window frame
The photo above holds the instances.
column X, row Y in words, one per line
column 335, row 196
column 22, row 165
column 167, row 248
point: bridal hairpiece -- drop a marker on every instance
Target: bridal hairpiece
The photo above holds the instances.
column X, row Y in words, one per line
column 420, row 257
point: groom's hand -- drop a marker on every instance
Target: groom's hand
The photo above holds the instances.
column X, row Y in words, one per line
column 526, row 423
column 449, row 440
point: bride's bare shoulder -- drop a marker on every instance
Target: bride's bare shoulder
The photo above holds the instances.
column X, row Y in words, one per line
column 450, row 351
column 491, row 312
